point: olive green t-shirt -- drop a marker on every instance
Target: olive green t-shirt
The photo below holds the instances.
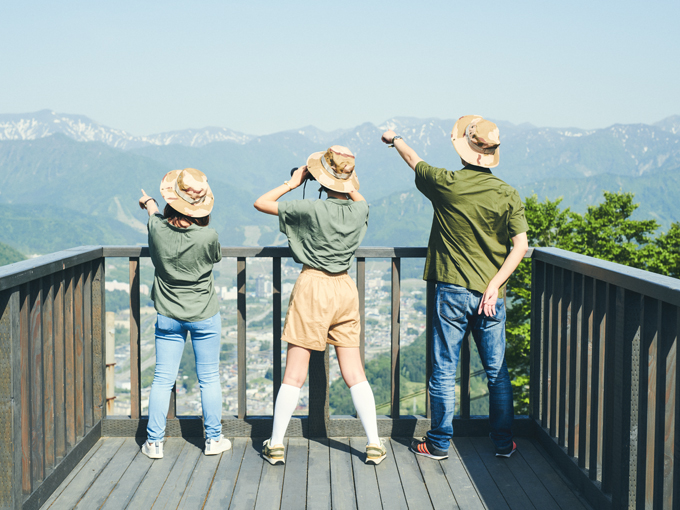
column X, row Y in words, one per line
column 183, row 258
column 324, row 234
column 475, row 217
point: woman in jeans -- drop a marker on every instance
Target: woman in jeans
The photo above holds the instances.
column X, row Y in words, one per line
column 183, row 250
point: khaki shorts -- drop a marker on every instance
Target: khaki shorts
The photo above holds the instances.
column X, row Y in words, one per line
column 323, row 308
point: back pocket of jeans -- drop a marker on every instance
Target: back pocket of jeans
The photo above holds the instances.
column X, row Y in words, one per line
column 452, row 305
column 164, row 323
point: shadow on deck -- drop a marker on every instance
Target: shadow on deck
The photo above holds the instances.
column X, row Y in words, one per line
column 323, row 473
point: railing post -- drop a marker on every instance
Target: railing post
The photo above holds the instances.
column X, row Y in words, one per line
column 10, row 412
column 429, row 339
column 241, row 335
column 565, row 330
column 537, row 292
column 69, row 362
column 546, row 319
column 135, row 333
column 79, row 349
column 36, row 393
column 609, row 417
column 464, row 367
column 626, row 385
column 395, row 325
column 48, row 368
column 110, row 362
column 666, row 465
column 59, row 366
column 276, row 325
column 586, row 339
column 361, row 287
column 88, row 375
column 25, row 367
column 99, row 353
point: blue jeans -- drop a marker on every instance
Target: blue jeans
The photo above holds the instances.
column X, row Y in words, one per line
column 456, row 313
column 171, row 334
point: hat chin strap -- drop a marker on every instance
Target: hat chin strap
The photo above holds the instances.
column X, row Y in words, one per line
column 187, row 198
column 328, row 169
column 476, row 147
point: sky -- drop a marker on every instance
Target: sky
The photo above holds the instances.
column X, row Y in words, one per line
column 261, row 67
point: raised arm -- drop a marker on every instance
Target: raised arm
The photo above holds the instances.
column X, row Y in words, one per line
column 407, row 154
column 267, row 202
column 520, row 245
column 148, row 203
column 355, row 196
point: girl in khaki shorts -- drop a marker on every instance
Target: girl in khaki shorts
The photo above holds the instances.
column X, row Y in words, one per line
column 324, row 305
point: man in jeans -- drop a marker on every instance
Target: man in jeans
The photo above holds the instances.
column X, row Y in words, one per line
column 476, row 216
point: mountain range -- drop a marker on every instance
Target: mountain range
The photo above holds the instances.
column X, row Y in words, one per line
column 65, row 179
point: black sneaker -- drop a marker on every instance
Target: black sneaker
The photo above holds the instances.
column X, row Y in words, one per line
column 425, row 448
column 509, row 452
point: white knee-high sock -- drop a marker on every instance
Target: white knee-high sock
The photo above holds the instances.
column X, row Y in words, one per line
column 286, row 402
column 364, row 403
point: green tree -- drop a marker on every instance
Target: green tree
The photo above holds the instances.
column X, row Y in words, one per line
column 667, row 257
column 606, row 231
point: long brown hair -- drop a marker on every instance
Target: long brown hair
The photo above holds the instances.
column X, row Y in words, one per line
column 169, row 213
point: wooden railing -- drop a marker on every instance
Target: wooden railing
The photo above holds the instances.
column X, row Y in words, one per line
column 604, row 377
column 603, row 371
column 51, row 371
column 319, row 422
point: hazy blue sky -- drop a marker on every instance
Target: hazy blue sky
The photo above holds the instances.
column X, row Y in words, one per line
column 265, row 66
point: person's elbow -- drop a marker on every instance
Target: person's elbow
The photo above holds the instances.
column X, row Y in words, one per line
column 258, row 205
column 520, row 243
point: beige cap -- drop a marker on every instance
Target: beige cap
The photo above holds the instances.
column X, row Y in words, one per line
column 187, row 191
column 334, row 169
column 477, row 141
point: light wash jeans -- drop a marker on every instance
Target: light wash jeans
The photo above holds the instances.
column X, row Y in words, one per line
column 171, row 334
column 455, row 313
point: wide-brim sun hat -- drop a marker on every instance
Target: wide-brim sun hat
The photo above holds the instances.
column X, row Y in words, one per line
column 334, row 169
column 477, row 141
column 187, row 191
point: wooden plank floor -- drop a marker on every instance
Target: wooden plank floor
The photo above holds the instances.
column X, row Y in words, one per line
column 318, row 474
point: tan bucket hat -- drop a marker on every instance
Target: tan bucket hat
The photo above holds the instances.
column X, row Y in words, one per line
column 476, row 140
column 187, row 191
column 334, row 169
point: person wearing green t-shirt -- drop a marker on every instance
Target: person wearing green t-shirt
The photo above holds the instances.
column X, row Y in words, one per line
column 324, row 305
column 183, row 250
column 477, row 219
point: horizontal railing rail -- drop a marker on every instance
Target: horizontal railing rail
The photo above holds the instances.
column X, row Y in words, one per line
column 604, row 377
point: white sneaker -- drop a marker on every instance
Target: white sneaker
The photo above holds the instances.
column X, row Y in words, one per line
column 216, row 446
column 153, row 450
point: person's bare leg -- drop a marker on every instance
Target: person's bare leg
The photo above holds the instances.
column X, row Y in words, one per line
column 297, row 363
column 349, row 359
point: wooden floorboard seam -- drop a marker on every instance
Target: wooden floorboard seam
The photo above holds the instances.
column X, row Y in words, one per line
column 164, row 480
column 212, row 480
column 238, row 474
column 401, row 482
column 119, row 477
column 93, row 480
column 100, row 472
column 83, row 462
column 422, row 475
